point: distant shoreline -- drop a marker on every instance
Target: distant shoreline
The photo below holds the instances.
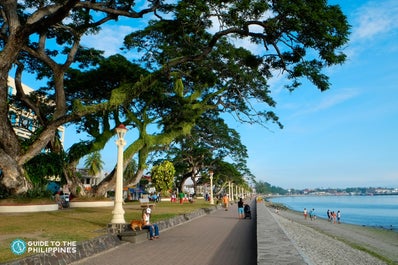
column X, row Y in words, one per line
column 281, row 205
column 329, row 194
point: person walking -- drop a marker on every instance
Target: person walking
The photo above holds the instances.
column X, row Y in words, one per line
column 240, row 209
column 305, row 213
column 338, row 216
column 225, row 201
column 312, row 214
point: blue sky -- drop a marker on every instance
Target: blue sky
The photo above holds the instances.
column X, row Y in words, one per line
column 348, row 135
column 344, row 137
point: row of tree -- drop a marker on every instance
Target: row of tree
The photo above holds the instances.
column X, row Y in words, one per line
column 189, row 74
column 263, row 187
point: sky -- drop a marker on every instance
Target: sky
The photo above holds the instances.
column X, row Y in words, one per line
column 348, row 135
column 344, row 137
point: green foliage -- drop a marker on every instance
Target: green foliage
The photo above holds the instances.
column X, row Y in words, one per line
column 4, row 193
column 263, row 187
column 50, row 165
column 299, row 38
column 130, row 170
column 38, row 192
column 163, row 176
column 94, row 163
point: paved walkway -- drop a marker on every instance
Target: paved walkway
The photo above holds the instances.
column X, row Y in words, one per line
column 273, row 246
column 217, row 238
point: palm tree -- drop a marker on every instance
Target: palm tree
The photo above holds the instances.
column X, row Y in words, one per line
column 94, row 164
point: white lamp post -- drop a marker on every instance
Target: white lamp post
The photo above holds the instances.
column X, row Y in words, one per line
column 232, row 192
column 211, row 187
column 118, row 212
column 229, row 189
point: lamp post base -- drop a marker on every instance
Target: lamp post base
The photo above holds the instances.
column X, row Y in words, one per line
column 118, row 215
column 117, row 228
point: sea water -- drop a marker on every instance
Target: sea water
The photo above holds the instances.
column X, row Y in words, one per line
column 376, row 211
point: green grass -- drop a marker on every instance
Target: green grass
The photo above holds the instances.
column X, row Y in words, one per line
column 76, row 224
column 367, row 250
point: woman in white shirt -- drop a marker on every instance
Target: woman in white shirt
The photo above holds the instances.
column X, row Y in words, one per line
column 153, row 228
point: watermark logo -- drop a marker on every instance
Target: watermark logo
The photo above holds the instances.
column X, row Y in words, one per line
column 18, row 246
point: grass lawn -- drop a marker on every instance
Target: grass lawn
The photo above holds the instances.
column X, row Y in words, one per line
column 75, row 224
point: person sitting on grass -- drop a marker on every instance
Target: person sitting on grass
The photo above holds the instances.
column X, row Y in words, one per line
column 153, row 228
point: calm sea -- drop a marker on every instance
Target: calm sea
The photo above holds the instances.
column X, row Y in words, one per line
column 376, row 211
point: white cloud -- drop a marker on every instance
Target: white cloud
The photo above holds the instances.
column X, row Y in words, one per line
column 109, row 39
column 375, row 18
column 328, row 101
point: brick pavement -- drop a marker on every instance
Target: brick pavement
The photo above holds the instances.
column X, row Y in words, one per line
column 217, row 238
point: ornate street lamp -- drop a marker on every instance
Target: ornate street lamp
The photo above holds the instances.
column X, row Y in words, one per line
column 118, row 212
column 211, row 186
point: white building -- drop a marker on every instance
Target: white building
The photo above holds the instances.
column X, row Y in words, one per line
column 24, row 121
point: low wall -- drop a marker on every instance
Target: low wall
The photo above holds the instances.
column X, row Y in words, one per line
column 83, row 250
column 91, row 204
column 28, row 208
column 51, row 207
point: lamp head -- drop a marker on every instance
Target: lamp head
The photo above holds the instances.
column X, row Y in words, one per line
column 121, row 131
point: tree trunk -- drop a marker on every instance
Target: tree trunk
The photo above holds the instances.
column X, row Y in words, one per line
column 195, row 185
column 106, row 184
column 75, row 185
column 13, row 176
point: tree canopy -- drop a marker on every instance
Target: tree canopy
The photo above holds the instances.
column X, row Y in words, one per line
column 189, row 65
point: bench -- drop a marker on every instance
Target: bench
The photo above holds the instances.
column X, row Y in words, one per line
column 134, row 236
column 145, row 203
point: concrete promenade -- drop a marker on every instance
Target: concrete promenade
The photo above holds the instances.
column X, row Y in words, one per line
column 273, row 246
column 216, row 238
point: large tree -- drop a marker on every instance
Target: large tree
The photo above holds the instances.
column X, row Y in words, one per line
column 210, row 140
column 27, row 29
column 188, row 38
